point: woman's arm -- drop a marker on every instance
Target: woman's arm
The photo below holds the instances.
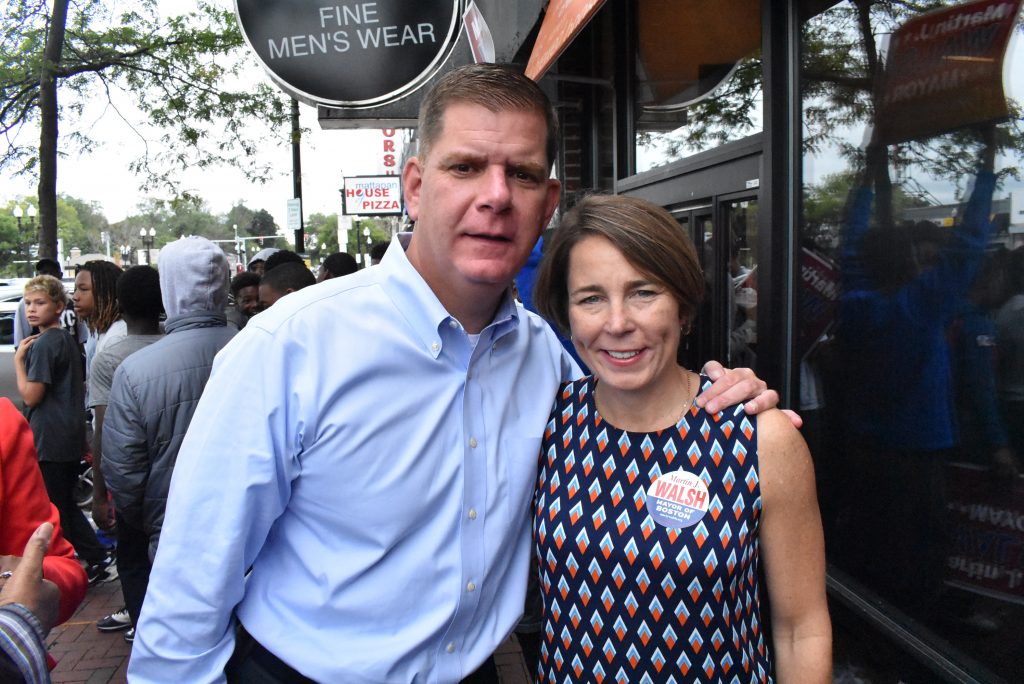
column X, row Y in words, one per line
column 793, row 551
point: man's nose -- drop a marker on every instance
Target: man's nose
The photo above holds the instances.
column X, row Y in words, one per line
column 496, row 192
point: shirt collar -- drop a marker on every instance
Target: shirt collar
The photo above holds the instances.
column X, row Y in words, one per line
column 421, row 307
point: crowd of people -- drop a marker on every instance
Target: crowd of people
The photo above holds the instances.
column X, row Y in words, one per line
column 373, row 460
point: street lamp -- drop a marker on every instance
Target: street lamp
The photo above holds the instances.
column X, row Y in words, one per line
column 147, row 242
column 366, row 234
column 18, row 213
column 126, row 254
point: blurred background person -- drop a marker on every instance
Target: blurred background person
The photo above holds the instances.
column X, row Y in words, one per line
column 138, row 296
column 245, row 290
column 282, row 280
column 259, row 260
column 337, row 265
column 154, row 395
column 49, row 375
column 68, row 319
column 902, row 288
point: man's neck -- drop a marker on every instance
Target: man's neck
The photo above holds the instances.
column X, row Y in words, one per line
column 141, row 326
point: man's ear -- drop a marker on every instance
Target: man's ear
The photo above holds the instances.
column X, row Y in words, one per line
column 412, row 183
column 554, row 193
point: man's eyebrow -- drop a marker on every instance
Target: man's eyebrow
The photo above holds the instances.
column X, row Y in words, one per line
column 533, row 168
column 457, row 156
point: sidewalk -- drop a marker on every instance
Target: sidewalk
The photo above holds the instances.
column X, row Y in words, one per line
column 84, row 654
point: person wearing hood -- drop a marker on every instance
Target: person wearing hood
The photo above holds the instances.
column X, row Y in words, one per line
column 259, row 260
column 155, row 390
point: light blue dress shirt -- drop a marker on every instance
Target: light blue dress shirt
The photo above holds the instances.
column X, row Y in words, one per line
column 375, row 469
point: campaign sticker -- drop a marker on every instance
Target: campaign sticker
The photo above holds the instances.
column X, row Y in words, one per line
column 678, row 499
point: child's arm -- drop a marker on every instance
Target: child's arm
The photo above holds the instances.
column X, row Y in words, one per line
column 32, row 393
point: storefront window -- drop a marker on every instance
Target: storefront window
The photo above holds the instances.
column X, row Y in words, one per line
column 910, row 317
column 698, row 75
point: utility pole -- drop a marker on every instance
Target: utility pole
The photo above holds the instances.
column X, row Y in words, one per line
column 300, row 233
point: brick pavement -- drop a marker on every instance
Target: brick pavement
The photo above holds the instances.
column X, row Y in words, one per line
column 84, row 654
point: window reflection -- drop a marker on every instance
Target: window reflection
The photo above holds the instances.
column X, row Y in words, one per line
column 911, row 344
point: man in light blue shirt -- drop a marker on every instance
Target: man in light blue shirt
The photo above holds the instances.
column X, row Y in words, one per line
column 369, row 445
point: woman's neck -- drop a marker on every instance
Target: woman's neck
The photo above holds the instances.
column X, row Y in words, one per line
column 653, row 409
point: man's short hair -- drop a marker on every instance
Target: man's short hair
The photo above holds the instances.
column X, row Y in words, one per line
column 377, row 251
column 243, row 280
column 284, row 256
column 48, row 285
column 498, row 88
column 138, row 292
column 288, row 276
column 340, row 264
column 51, row 267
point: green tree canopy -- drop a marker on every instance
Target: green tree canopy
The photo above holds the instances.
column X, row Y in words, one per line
column 182, row 73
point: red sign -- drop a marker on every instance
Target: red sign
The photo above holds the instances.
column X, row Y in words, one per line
column 986, row 555
column 390, row 158
column 819, row 294
column 563, row 21
column 945, row 71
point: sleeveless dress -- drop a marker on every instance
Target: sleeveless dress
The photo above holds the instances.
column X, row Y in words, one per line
column 628, row 599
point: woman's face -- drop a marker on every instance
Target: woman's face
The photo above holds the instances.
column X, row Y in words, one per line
column 625, row 325
column 84, row 304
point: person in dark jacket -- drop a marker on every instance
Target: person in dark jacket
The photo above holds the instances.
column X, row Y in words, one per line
column 156, row 389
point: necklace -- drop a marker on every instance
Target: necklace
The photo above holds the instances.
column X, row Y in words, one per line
column 628, row 425
column 690, row 393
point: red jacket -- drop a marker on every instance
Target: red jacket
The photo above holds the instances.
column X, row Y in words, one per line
column 25, row 505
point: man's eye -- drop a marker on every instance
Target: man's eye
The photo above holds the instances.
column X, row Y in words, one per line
column 525, row 176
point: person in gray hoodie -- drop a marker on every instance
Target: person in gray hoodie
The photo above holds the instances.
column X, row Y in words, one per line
column 155, row 390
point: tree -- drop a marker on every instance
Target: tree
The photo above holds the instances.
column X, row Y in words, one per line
column 840, row 71
column 182, row 74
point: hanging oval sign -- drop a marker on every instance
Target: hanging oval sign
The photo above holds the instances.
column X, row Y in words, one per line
column 350, row 54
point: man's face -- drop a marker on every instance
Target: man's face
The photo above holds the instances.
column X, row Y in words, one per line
column 257, row 267
column 248, row 300
column 84, row 304
column 480, row 201
column 268, row 296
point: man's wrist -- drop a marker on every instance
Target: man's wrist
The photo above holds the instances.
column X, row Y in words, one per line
column 23, row 611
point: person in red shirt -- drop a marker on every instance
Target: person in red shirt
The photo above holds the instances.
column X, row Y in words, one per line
column 24, row 505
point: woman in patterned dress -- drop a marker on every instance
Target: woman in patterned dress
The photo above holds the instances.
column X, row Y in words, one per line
column 654, row 518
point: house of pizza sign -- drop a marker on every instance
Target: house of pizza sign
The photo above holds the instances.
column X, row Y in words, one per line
column 372, row 196
column 350, row 54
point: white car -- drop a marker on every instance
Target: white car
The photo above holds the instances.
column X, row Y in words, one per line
column 11, row 292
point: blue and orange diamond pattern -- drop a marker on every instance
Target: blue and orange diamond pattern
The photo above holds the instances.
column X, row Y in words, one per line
column 627, row 600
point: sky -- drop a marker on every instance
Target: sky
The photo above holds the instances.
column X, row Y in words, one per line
column 327, row 155
column 103, row 177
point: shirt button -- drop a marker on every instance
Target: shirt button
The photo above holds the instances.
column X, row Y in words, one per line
column 434, row 347
column 450, row 648
column 472, row 442
column 471, row 587
column 453, row 323
column 494, row 347
column 472, row 514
